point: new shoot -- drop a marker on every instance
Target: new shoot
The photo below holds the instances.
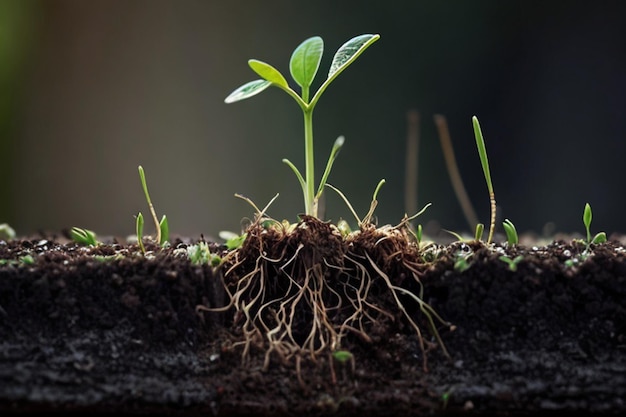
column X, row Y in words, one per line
column 303, row 65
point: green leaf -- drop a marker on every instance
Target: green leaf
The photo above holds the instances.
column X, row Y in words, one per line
column 165, row 231
column 587, row 216
column 268, row 72
column 247, row 90
column 511, row 233
column 305, row 61
column 83, row 236
column 139, row 232
column 6, row 232
column 350, row 51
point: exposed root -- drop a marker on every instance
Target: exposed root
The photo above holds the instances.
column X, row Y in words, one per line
column 307, row 291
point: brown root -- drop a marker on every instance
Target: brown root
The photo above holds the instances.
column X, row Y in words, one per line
column 305, row 291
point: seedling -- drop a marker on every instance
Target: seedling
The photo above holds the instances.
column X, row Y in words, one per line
column 478, row 233
column 482, row 153
column 200, row 254
column 6, row 232
column 139, row 232
column 462, row 258
column 303, row 65
column 162, row 227
column 511, row 232
column 512, row 263
column 587, row 217
column 83, row 236
column 233, row 240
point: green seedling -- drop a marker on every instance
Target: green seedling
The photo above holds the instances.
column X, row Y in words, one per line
column 139, row 231
column 478, row 233
column 232, row 240
column 482, row 153
column 83, row 236
column 343, row 356
column 511, row 232
column 162, row 227
column 303, row 65
column 200, row 254
column 6, row 232
column 512, row 263
column 587, row 217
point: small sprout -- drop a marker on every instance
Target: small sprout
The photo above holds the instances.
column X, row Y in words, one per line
column 27, row 260
column 139, row 231
column 200, row 254
column 303, row 66
column 482, row 153
column 344, row 228
column 162, row 227
column 6, row 232
column 511, row 232
column 418, row 233
column 233, row 240
column 462, row 257
column 512, row 263
column 83, row 236
column 587, row 217
column 342, row 356
column 478, row 234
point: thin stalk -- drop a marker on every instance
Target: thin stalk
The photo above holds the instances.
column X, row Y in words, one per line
column 482, row 152
column 309, row 198
column 144, row 185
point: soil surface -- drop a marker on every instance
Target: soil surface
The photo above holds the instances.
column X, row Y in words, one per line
column 109, row 330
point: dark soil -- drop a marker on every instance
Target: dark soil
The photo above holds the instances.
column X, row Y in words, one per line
column 123, row 334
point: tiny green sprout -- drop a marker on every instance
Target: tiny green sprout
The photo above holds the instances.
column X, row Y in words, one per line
column 587, row 217
column 27, row 260
column 478, row 233
column 512, row 263
column 303, row 66
column 419, row 233
column 83, row 236
column 139, row 232
column 342, row 356
column 461, row 258
column 162, row 227
column 511, row 232
column 232, row 240
column 6, row 232
column 344, row 228
column 200, row 254
column 482, row 153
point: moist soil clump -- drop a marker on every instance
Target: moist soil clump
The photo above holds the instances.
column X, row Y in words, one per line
column 307, row 321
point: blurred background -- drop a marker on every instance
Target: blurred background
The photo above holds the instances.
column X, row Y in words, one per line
column 89, row 90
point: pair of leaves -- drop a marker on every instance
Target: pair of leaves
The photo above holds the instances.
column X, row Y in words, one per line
column 303, row 65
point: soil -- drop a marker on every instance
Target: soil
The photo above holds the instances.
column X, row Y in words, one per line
column 107, row 330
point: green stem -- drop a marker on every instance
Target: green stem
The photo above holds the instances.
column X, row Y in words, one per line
column 309, row 198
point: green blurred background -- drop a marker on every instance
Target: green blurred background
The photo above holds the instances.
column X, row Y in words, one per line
column 91, row 89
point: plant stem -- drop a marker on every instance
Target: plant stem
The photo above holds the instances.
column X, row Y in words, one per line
column 309, row 197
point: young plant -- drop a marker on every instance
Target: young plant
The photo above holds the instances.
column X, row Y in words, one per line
column 83, row 236
column 482, row 153
column 6, row 232
column 303, row 66
column 162, row 227
column 512, row 263
column 587, row 217
column 511, row 232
